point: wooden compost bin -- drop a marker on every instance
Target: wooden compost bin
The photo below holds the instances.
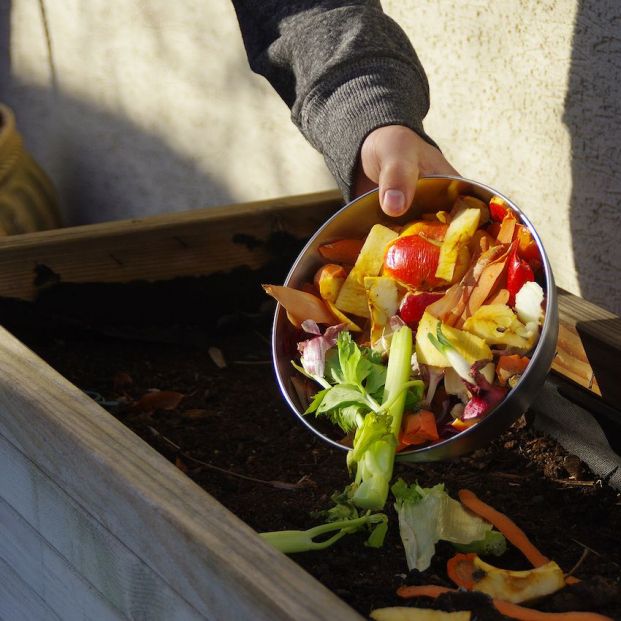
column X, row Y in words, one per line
column 95, row 523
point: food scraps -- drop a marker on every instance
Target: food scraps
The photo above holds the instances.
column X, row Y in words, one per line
column 461, row 282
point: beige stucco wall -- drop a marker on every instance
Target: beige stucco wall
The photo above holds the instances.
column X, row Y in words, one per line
column 526, row 96
column 140, row 107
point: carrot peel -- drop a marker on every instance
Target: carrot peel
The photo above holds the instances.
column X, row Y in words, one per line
column 513, row 533
column 423, row 590
column 514, row 611
column 418, row 428
column 460, row 569
column 342, row 251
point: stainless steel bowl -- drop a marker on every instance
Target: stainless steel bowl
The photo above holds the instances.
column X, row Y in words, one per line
column 354, row 221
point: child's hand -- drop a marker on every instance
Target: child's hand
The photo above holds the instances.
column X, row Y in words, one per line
column 393, row 157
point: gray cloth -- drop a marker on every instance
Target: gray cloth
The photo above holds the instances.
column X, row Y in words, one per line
column 578, row 432
column 344, row 68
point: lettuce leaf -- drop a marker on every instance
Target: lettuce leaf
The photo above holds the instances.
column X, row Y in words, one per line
column 427, row 515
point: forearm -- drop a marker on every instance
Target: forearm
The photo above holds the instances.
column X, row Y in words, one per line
column 343, row 68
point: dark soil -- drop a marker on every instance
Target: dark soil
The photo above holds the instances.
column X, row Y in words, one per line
column 233, row 434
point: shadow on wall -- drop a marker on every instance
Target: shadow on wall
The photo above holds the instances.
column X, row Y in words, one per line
column 96, row 158
column 593, row 118
column 105, row 167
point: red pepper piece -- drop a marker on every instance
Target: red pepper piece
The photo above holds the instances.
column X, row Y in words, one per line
column 518, row 273
column 413, row 306
column 493, row 229
column 535, row 264
column 498, row 209
column 527, row 246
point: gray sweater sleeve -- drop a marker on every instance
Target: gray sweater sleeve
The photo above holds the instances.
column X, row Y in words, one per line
column 343, row 67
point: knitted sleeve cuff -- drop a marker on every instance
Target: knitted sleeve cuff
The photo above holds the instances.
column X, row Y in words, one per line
column 339, row 113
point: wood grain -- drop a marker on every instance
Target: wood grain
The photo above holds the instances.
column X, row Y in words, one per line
column 66, row 594
column 217, row 239
column 64, row 552
column 589, row 347
column 18, row 601
column 198, row 548
column 159, row 247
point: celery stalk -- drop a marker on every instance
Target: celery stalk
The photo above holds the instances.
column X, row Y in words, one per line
column 375, row 441
column 397, row 375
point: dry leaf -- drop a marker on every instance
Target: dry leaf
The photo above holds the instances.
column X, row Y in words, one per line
column 300, row 305
column 195, row 413
column 181, row 465
column 507, row 230
column 158, row 400
column 217, row 357
column 121, row 381
column 487, row 284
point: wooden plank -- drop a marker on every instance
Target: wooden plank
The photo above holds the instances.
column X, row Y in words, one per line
column 78, row 568
column 571, row 359
column 51, row 580
column 160, row 247
column 212, row 239
column 18, row 602
column 193, row 543
column 590, row 319
column 589, row 347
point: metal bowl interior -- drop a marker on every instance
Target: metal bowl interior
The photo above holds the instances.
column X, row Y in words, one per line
column 354, row 221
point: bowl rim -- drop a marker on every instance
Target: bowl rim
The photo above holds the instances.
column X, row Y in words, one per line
column 549, row 323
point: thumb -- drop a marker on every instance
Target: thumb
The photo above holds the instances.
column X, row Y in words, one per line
column 397, row 183
column 390, row 156
column 393, row 156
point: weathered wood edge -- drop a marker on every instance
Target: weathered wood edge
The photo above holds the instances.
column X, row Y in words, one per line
column 211, row 239
column 159, row 247
column 66, row 557
column 197, row 546
column 173, row 222
column 589, row 347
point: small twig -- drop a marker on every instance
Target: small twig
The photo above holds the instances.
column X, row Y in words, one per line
column 508, row 475
column 584, row 554
column 263, row 337
column 573, row 483
column 252, row 362
column 305, row 481
column 585, row 547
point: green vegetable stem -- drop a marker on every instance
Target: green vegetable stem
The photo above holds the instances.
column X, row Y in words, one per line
column 375, row 442
column 494, row 543
column 291, row 541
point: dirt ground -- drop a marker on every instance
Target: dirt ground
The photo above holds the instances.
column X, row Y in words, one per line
column 229, row 429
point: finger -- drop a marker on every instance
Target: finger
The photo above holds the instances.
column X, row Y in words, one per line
column 397, row 182
column 437, row 164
